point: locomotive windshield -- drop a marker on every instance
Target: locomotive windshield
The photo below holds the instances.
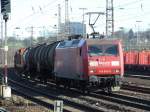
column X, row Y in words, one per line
column 102, row 50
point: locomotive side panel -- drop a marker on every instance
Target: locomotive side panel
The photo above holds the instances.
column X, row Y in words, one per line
column 69, row 62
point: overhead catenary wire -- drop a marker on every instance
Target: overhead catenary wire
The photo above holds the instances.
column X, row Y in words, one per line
column 129, row 3
column 35, row 13
column 51, row 8
column 52, row 3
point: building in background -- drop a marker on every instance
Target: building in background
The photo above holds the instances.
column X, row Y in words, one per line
column 75, row 28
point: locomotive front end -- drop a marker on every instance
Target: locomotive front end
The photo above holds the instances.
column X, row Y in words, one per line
column 105, row 63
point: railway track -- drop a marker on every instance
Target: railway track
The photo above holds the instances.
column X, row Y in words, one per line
column 88, row 100
column 49, row 99
column 119, row 99
column 98, row 99
column 139, row 89
column 138, row 75
column 76, row 96
column 124, row 100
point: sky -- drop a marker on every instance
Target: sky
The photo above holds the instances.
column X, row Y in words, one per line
column 42, row 14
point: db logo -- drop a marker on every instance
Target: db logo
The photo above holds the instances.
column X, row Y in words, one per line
column 104, row 63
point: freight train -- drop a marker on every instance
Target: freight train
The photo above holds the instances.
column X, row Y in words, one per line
column 79, row 63
column 138, row 61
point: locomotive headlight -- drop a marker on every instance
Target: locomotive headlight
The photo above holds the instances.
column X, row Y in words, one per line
column 116, row 70
column 93, row 63
column 115, row 63
column 92, row 71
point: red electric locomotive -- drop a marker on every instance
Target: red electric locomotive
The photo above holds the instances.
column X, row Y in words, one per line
column 78, row 63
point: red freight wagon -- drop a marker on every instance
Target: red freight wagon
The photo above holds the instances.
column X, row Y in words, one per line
column 143, row 58
column 130, row 59
column 144, row 63
column 18, row 60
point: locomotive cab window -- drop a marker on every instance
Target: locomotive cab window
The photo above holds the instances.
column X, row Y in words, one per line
column 95, row 50
column 111, row 50
column 101, row 50
column 75, row 42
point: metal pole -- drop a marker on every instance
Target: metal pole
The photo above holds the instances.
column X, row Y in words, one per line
column 59, row 23
column 138, row 35
column 83, row 22
column 109, row 18
column 31, row 39
column 67, row 24
column 2, row 58
column 5, row 52
column 5, row 17
column 2, row 31
column 138, row 38
column 44, row 32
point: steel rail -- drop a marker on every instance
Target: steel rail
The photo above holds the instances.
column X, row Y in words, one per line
column 125, row 100
column 68, row 102
column 136, row 88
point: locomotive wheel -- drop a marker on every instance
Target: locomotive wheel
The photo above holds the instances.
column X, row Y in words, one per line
column 84, row 88
column 57, row 83
column 65, row 86
column 85, row 91
column 26, row 76
column 107, row 90
column 44, row 81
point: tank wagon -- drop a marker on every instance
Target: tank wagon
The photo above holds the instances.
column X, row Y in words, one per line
column 80, row 63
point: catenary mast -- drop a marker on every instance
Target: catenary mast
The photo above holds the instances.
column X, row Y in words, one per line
column 109, row 18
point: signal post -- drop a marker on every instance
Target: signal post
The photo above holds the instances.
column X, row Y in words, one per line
column 5, row 90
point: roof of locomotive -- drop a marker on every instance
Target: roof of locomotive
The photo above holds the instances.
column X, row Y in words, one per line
column 102, row 41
